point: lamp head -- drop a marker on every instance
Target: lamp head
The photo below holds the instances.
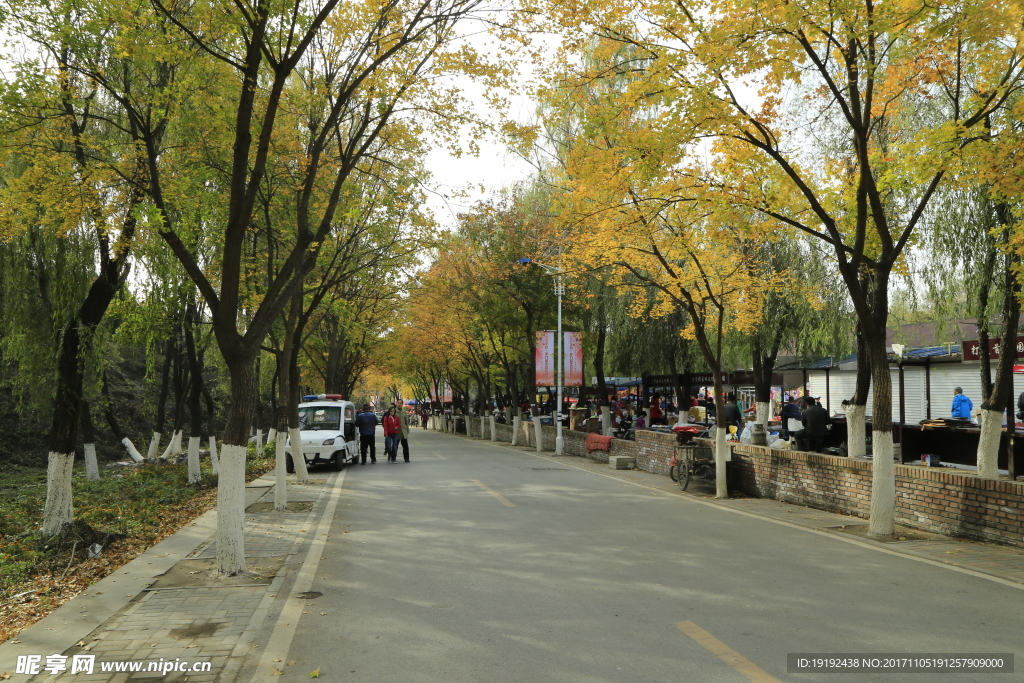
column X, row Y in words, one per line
column 524, row 261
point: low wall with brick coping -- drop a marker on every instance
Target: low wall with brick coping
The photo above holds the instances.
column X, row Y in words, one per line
column 940, row 500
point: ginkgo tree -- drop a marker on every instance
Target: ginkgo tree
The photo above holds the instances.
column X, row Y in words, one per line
column 628, row 205
column 811, row 115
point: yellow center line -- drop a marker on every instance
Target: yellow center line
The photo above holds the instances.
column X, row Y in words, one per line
column 438, row 455
column 503, row 499
column 744, row 666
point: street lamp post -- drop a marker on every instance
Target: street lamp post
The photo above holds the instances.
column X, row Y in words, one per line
column 555, row 272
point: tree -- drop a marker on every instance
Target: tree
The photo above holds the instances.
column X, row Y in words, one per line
column 832, row 144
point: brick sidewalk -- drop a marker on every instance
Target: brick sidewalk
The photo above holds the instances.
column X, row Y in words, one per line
column 196, row 623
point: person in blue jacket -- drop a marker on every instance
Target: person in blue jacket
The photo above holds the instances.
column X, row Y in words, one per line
column 961, row 404
column 366, row 422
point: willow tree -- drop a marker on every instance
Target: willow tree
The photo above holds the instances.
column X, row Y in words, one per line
column 83, row 172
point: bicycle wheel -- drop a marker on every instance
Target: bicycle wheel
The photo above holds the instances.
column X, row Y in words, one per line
column 684, row 475
column 673, row 472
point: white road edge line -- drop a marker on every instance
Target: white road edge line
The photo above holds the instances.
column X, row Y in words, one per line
column 288, row 621
column 836, row 537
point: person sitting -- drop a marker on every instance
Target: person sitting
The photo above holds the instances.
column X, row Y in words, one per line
column 815, row 421
column 657, row 416
column 641, row 420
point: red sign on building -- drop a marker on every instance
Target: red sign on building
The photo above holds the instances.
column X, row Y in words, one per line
column 972, row 349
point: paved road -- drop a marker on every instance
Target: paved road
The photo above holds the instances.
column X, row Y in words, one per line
column 483, row 563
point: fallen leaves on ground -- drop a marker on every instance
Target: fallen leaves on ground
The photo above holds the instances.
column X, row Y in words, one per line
column 51, row 589
column 55, row 578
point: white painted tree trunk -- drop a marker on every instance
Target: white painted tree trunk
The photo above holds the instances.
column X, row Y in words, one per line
column 133, row 452
column 494, row 432
column 483, row 427
column 763, row 414
column 214, row 460
column 516, row 426
column 259, row 441
column 883, row 486
column 988, row 443
column 606, row 420
column 721, row 485
column 194, row 473
column 538, row 430
column 280, row 465
column 58, row 511
column 301, row 471
column 154, row 446
column 92, row 466
column 272, row 436
column 856, row 439
column 231, row 511
column 174, row 447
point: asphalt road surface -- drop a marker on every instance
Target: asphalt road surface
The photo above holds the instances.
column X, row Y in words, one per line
column 477, row 562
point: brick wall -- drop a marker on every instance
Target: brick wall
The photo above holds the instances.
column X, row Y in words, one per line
column 504, row 432
column 940, row 500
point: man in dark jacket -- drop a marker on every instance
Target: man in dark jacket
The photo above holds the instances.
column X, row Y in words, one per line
column 815, row 420
column 790, row 411
column 733, row 418
column 366, row 422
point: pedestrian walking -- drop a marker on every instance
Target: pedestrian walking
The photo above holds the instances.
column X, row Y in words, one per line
column 392, row 430
column 403, row 431
column 961, row 404
column 366, row 423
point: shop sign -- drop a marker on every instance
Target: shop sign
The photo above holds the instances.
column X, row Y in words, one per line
column 972, row 349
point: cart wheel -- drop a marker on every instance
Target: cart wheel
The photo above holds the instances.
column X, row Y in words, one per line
column 684, row 475
column 673, row 472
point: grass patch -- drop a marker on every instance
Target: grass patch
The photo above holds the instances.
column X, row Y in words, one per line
column 129, row 509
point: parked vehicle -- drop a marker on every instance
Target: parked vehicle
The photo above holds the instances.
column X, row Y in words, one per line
column 327, row 431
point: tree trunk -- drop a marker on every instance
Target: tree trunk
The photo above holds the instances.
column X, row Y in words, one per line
column 883, row 473
column 161, row 401
column 764, row 366
column 856, row 410
column 67, row 403
column 1002, row 390
column 231, row 482
column 92, row 466
column 194, row 399
column 115, row 426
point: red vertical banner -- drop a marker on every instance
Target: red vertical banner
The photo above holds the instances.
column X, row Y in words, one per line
column 446, row 393
column 433, row 392
column 544, row 358
column 573, row 351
